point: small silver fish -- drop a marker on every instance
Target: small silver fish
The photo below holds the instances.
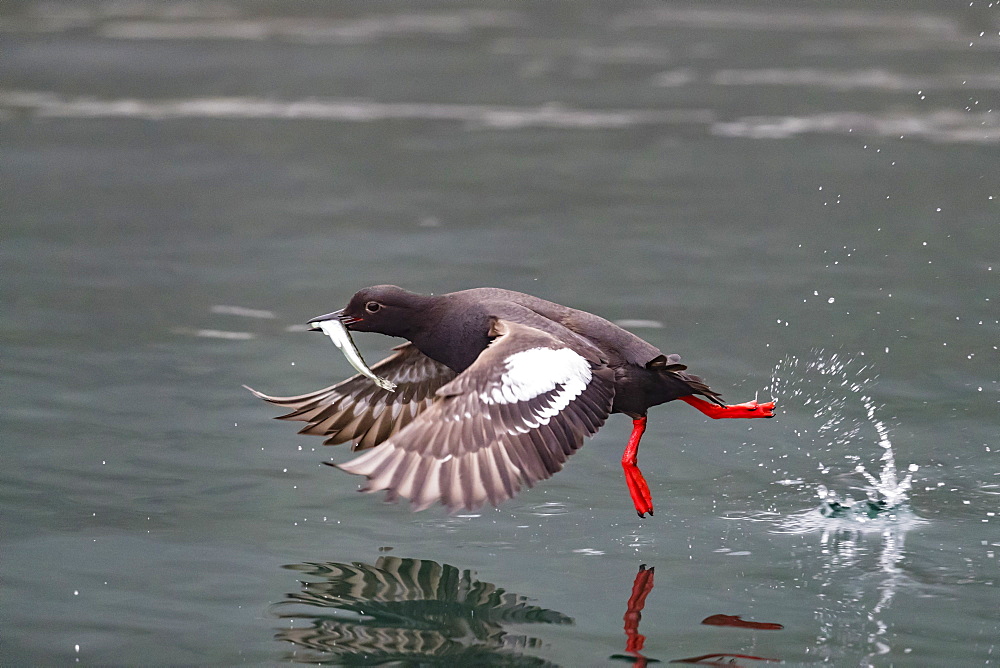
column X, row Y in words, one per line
column 342, row 339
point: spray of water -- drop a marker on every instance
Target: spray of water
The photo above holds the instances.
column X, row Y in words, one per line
column 863, row 508
column 887, row 489
column 846, row 426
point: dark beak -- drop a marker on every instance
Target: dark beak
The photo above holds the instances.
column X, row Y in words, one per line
column 336, row 315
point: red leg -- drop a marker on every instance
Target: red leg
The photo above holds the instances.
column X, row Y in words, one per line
column 637, row 486
column 750, row 409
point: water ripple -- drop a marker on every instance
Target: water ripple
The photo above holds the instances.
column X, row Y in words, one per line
column 223, row 21
column 242, row 311
column 51, row 105
column 549, row 508
column 874, row 79
column 939, row 126
column 787, row 19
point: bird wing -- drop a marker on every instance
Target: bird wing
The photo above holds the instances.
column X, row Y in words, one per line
column 359, row 410
column 510, row 419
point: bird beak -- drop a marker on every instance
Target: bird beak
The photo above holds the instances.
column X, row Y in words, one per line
column 336, row 315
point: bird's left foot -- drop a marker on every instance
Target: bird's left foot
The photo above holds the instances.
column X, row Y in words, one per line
column 639, row 490
column 637, row 486
column 750, row 409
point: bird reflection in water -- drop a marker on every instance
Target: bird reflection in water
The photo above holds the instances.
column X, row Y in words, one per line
column 634, row 641
column 407, row 610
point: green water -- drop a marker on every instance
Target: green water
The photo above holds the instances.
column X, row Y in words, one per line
column 756, row 182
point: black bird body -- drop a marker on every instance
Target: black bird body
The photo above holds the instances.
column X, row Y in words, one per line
column 454, row 329
column 495, row 389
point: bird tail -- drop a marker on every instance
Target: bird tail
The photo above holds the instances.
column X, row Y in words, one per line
column 676, row 371
column 699, row 386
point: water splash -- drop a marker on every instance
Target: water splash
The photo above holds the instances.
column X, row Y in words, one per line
column 887, row 489
column 863, row 522
column 836, row 387
column 824, row 385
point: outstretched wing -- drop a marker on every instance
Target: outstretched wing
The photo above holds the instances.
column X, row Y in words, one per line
column 509, row 420
column 359, row 410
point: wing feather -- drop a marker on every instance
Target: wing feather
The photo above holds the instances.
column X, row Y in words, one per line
column 509, row 420
column 360, row 411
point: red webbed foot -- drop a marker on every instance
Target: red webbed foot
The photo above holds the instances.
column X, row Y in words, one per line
column 638, row 490
column 749, row 409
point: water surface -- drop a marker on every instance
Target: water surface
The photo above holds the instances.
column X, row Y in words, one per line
column 758, row 188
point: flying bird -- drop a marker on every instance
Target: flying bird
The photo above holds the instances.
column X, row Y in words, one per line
column 491, row 393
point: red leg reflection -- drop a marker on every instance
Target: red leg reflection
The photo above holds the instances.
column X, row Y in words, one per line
column 740, row 623
column 641, row 587
column 721, row 659
column 730, row 659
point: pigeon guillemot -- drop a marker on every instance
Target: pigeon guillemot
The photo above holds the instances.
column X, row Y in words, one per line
column 494, row 390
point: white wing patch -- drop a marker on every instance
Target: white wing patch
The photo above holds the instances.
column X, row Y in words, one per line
column 536, row 371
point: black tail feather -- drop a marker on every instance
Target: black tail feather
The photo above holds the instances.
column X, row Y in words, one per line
column 699, row 386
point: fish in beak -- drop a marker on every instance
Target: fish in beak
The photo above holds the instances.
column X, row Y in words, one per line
column 334, row 325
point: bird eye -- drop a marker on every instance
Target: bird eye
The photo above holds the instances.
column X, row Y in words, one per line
column 373, row 307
